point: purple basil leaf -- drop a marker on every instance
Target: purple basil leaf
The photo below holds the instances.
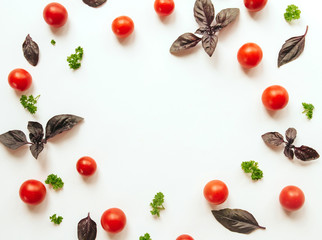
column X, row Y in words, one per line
column 236, row 220
column 291, row 49
column 225, row 17
column 13, row 139
column 290, row 135
column 86, row 229
column 288, row 152
column 30, row 50
column 36, row 132
column 209, row 43
column 204, row 12
column 306, row 153
column 61, row 123
column 202, row 30
column 94, row 3
column 273, row 138
column 36, row 148
column 183, row 42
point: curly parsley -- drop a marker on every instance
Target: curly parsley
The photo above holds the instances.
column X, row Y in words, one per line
column 56, row 219
column 55, row 181
column 292, row 13
column 308, row 110
column 53, row 42
column 74, row 59
column 145, row 237
column 29, row 103
column 157, row 204
column 252, row 167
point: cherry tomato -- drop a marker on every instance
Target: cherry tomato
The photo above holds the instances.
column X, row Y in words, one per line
column 216, row 192
column 255, row 5
column 113, row 220
column 292, row 198
column 122, row 26
column 184, row 237
column 55, row 15
column 19, row 79
column 32, row 192
column 164, row 7
column 275, row 97
column 249, row 55
column 86, row 166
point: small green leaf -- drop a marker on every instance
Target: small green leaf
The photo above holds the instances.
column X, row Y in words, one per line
column 29, row 103
column 145, row 237
column 252, row 167
column 53, row 42
column 56, row 219
column 308, row 110
column 157, row 204
column 292, row 13
column 55, row 181
column 74, row 60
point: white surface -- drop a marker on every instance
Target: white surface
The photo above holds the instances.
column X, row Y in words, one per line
column 157, row 122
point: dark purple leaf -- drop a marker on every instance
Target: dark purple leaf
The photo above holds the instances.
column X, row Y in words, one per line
column 225, row 17
column 236, row 220
column 13, row 139
column 185, row 41
column 290, row 135
column 209, row 43
column 94, row 3
column 86, row 229
column 204, row 12
column 273, row 138
column 36, row 132
column 61, row 123
column 36, row 148
column 202, row 30
column 306, row 153
column 288, row 152
column 30, row 50
column 291, row 49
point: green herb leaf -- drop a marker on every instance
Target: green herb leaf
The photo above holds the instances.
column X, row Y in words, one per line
column 53, row 42
column 29, row 103
column 157, row 204
column 55, row 181
column 74, row 60
column 308, row 110
column 145, row 237
column 252, row 167
column 56, row 219
column 292, row 13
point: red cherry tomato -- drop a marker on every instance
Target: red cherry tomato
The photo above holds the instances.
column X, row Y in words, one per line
column 19, row 79
column 32, row 192
column 122, row 26
column 292, row 198
column 55, row 15
column 255, row 5
column 164, row 7
column 216, row 192
column 86, row 166
column 184, row 237
column 275, row 97
column 249, row 55
column 113, row 220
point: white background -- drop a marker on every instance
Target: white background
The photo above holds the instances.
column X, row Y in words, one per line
column 157, row 122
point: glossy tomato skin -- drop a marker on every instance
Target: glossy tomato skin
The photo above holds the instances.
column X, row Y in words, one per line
column 113, row 220
column 291, row 198
column 249, row 55
column 184, row 237
column 123, row 26
column 19, row 79
column 55, row 15
column 86, row 166
column 215, row 192
column 275, row 97
column 32, row 192
column 255, row 5
column 164, row 7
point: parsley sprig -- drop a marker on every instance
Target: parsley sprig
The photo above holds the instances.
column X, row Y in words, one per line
column 56, row 219
column 74, row 59
column 29, row 103
column 55, row 181
column 252, row 167
column 308, row 110
column 157, row 204
column 145, row 237
column 292, row 13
